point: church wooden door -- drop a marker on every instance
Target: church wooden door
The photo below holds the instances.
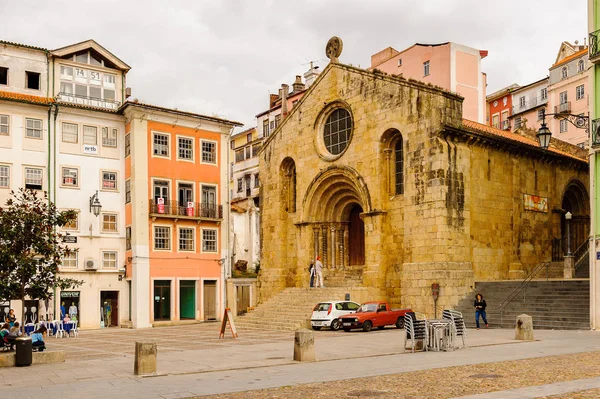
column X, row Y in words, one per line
column 356, row 237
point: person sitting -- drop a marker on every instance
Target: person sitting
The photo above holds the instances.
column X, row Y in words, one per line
column 15, row 331
column 66, row 319
column 4, row 331
column 37, row 339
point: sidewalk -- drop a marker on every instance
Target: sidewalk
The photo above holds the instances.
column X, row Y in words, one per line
column 232, row 368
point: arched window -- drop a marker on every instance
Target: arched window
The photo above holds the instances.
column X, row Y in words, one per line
column 288, row 192
column 580, row 66
column 565, row 72
column 338, row 128
column 399, row 166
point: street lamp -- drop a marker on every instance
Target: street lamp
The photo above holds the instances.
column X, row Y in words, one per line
column 95, row 205
column 544, row 134
column 568, row 217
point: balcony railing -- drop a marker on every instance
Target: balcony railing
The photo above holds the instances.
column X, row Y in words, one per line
column 596, row 133
column 563, row 108
column 181, row 210
column 594, row 47
column 88, row 101
column 527, row 105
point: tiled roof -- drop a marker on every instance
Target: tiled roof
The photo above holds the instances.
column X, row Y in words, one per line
column 571, row 57
column 471, row 125
column 22, row 45
column 26, row 98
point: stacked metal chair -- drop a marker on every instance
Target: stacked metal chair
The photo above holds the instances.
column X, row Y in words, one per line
column 415, row 327
column 460, row 329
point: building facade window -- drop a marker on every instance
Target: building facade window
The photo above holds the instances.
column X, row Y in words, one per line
column 127, row 145
column 33, row 128
column 73, row 224
column 249, row 138
column 109, row 259
column 517, row 122
column 239, row 155
column 4, row 176
column 541, row 114
column 248, row 151
column 109, row 137
column 266, row 128
column 162, row 237
column 256, row 149
column 564, row 72
column 337, row 131
column 209, row 152
column 128, row 238
column 160, row 146
column 4, row 124
column 186, row 239
column 580, row 66
column 109, row 180
column 127, row 191
column 564, row 126
column 185, row 148
column 240, row 185
column 87, row 83
column 232, row 144
column 3, row 76
column 209, row 240
column 70, row 261
column 33, row 178
column 544, row 94
column 256, row 181
column 563, row 97
column 426, row 68
column 522, row 102
column 579, row 92
column 70, row 177
column 109, row 222
column 277, row 120
column 70, row 133
column 32, row 80
column 90, row 135
column 399, row 166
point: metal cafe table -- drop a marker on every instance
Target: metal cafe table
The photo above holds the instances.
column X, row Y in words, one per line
column 441, row 334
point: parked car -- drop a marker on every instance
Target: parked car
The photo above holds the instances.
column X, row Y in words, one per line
column 374, row 314
column 326, row 314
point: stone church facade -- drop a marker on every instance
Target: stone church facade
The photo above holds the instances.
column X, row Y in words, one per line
column 382, row 178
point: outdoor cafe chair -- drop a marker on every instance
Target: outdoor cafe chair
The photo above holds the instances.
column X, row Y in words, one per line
column 460, row 328
column 415, row 327
column 59, row 329
column 74, row 331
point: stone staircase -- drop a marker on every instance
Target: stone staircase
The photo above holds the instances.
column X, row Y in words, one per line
column 553, row 304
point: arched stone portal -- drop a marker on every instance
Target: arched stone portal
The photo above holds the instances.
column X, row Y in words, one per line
column 576, row 201
column 333, row 205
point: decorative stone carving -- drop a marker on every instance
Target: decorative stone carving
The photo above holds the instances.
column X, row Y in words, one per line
column 334, row 47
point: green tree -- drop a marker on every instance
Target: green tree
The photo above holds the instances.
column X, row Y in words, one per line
column 31, row 250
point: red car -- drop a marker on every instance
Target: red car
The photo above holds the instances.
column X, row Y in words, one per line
column 373, row 314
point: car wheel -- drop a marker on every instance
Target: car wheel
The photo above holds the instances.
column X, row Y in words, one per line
column 335, row 325
column 400, row 322
column 367, row 325
column 346, row 329
column 380, row 327
column 316, row 328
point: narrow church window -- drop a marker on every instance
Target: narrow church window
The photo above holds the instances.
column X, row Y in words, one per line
column 288, row 176
column 399, row 155
column 337, row 131
column 535, row 181
column 489, row 171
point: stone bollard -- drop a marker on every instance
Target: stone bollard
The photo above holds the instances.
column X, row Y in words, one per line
column 524, row 328
column 145, row 358
column 304, row 346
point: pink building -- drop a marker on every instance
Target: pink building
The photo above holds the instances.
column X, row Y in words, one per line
column 450, row 66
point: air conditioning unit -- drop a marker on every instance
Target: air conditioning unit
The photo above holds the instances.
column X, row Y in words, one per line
column 91, row 264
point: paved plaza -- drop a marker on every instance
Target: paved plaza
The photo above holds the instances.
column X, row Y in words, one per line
column 192, row 361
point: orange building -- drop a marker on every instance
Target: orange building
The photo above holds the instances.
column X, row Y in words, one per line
column 176, row 223
column 499, row 107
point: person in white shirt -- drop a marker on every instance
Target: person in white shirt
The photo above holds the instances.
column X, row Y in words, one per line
column 319, row 273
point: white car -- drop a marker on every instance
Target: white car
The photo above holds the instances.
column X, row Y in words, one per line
column 326, row 314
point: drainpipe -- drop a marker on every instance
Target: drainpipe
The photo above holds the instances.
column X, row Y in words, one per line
column 226, row 267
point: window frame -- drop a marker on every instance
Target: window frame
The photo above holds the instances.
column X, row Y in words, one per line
column 84, row 137
column 190, row 149
column 256, row 181
column 544, row 93
column 127, row 145
column 108, row 140
column 7, row 82
column 240, row 185
column 580, row 94
column 116, row 180
column 168, row 238
column 6, row 125
column 39, row 78
column 103, row 222
column 76, row 228
column 426, row 68
column 167, row 145
column 563, row 126
column 74, row 253
column 128, row 238
column 7, row 177
column 564, row 72
column 215, row 152
column 116, row 260
column 204, row 241
column 541, row 113
column 34, row 129
column 179, row 239
column 41, row 170
column 580, row 66
column 327, row 133
column 63, row 133
column 76, row 184
column 517, row 123
column 127, row 191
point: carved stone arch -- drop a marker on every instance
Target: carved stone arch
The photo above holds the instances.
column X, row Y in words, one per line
column 576, row 201
column 393, row 149
column 576, row 198
column 287, row 176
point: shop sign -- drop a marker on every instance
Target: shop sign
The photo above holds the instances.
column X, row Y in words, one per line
column 70, row 239
column 90, row 149
column 69, row 294
column 535, row 203
column 160, row 204
column 190, row 209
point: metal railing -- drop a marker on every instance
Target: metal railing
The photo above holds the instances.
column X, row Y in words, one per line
column 521, row 287
column 176, row 209
column 527, row 105
column 88, row 101
column 563, row 108
column 557, row 250
column 580, row 253
column 594, row 49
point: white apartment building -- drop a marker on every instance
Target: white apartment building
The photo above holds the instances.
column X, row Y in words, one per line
column 60, row 132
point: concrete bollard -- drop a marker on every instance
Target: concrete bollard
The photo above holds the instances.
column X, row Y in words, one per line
column 145, row 358
column 304, row 346
column 524, row 328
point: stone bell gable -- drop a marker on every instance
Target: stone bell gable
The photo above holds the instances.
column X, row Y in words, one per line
column 382, row 179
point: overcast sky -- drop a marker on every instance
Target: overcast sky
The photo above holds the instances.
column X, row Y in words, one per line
column 222, row 57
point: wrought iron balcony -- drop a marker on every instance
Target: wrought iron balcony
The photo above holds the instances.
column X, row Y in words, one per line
column 87, row 101
column 594, row 47
column 563, row 108
column 596, row 133
column 181, row 210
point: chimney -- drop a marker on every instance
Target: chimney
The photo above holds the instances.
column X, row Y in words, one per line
column 311, row 75
column 285, row 89
column 127, row 92
column 298, row 85
column 272, row 100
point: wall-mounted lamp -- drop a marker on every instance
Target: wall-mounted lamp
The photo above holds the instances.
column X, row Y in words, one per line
column 95, row 205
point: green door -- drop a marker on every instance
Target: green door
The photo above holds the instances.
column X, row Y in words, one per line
column 187, row 300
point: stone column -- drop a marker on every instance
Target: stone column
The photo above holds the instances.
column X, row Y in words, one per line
column 145, row 358
column 324, row 245
column 388, row 167
column 333, row 246
column 316, row 243
column 340, row 245
column 569, row 266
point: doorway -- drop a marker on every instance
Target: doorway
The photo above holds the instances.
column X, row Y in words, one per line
column 109, row 308
column 69, row 304
column 31, row 311
column 162, row 300
column 356, row 237
column 210, row 300
column 243, row 299
column 187, row 300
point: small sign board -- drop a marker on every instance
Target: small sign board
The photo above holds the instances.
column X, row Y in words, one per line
column 70, row 239
column 160, row 204
column 90, row 149
column 227, row 316
column 535, row 203
column 190, row 209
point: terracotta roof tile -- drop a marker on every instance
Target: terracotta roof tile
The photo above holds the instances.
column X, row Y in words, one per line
column 571, row 57
column 7, row 95
column 22, row 45
column 515, row 137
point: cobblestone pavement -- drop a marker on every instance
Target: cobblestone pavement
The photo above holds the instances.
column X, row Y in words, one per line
column 452, row 382
column 111, row 342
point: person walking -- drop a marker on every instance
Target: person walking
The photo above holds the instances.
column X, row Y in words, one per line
column 311, row 270
column 319, row 272
column 480, row 310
